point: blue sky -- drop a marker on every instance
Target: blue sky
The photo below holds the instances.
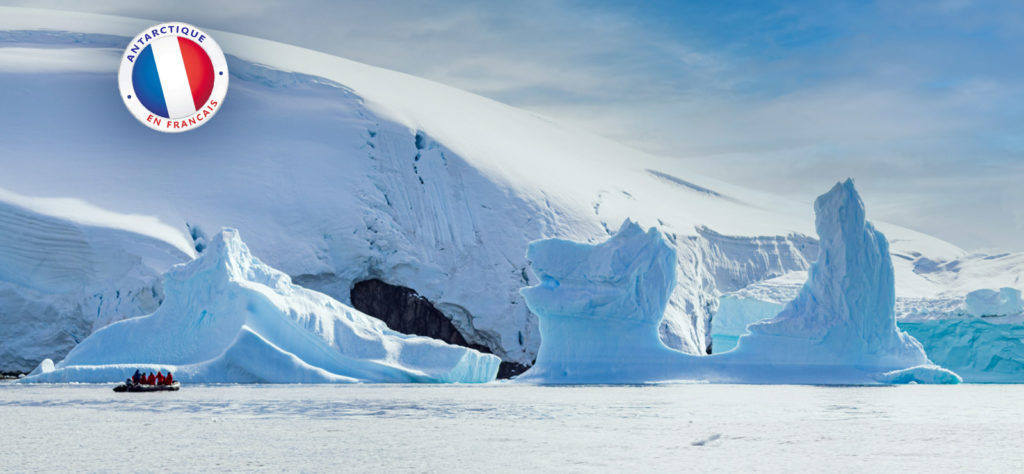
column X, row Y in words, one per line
column 921, row 102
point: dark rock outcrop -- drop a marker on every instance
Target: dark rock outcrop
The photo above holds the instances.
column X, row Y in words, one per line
column 404, row 310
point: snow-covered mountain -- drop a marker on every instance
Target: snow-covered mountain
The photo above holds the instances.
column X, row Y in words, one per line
column 338, row 172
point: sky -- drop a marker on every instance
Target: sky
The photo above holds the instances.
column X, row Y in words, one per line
column 921, row 102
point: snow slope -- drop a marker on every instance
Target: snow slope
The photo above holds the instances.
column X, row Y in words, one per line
column 600, row 306
column 67, row 269
column 338, row 172
column 228, row 317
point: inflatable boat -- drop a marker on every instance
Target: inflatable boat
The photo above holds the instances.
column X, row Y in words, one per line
column 144, row 387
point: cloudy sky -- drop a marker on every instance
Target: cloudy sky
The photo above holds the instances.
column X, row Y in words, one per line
column 922, row 102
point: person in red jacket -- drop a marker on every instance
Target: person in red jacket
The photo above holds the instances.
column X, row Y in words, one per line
column 152, row 379
column 159, row 378
column 169, row 379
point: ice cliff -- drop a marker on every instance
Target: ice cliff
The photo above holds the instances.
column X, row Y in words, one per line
column 228, row 317
column 67, row 269
column 979, row 350
column 600, row 304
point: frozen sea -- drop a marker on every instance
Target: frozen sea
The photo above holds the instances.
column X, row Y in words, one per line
column 514, row 428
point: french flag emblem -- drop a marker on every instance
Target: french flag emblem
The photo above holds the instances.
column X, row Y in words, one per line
column 173, row 77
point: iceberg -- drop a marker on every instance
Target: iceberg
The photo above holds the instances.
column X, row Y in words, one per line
column 228, row 317
column 985, row 302
column 600, row 306
column 842, row 324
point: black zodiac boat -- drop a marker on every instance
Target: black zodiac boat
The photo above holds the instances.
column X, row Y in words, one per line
column 144, row 387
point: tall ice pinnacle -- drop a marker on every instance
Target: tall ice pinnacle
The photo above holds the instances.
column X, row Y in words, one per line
column 845, row 313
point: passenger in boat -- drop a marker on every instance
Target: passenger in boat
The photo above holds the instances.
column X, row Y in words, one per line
column 159, row 378
column 137, row 377
column 169, row 379
column 152, row 379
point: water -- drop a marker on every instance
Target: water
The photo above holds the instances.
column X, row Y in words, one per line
column 502, row 427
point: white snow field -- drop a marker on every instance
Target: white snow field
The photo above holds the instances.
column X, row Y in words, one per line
column 515, row 428
column 338, row 172
column 228, row 317
column 600, row 306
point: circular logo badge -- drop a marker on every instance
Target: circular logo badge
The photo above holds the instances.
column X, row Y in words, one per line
column 173, row 77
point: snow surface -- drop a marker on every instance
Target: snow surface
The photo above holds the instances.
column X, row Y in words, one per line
column 412, row 428
column 338, row 172
column 228, row 317
column 600, row 305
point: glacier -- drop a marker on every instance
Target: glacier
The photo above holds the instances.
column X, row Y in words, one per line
column 229, row 318
column 68, row 269
column 338, row 173
column 600, row 306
